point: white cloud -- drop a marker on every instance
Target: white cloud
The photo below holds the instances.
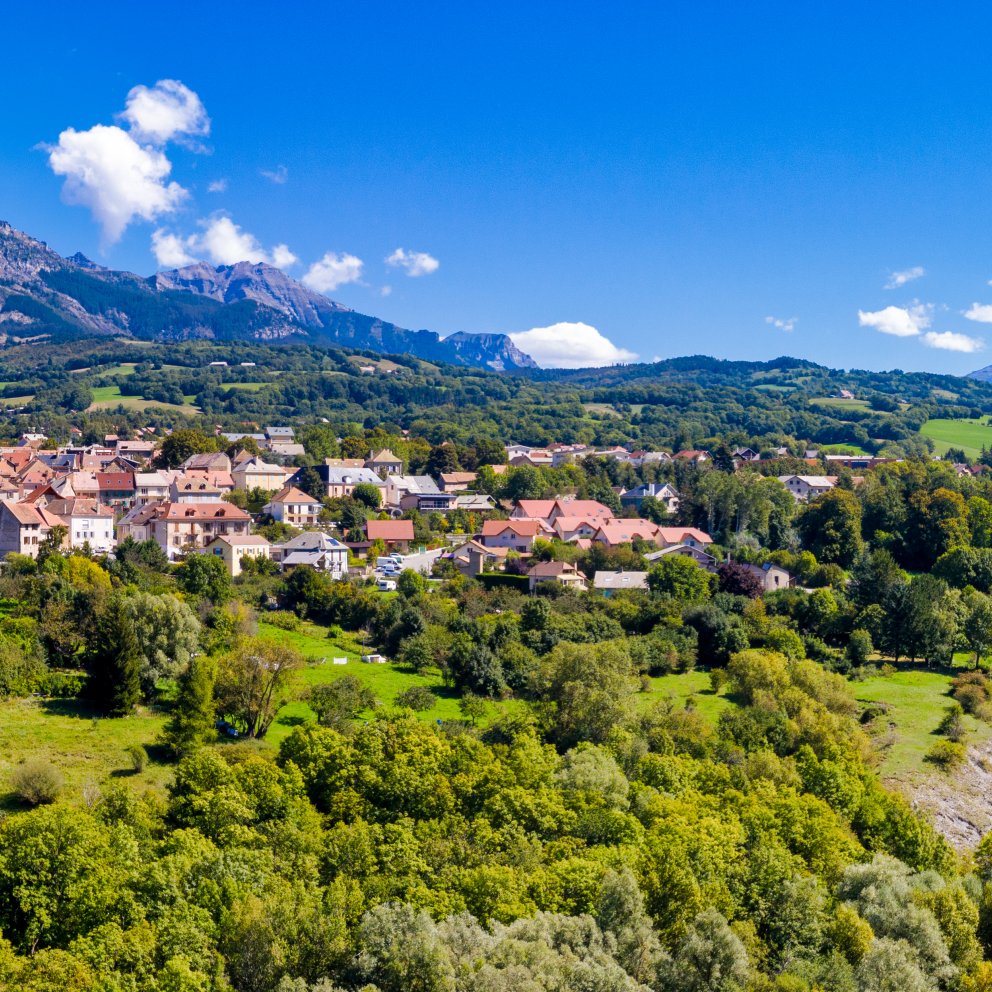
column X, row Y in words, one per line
column 897, row 279
column 567, row 345
column 385, row 291
column 278, row 175
column 950, row 341
column 282, row 257
column 332, row 271
column 901, row 322
column 171, row 251
column 119, row 180
column 217, row 186
column 415, row 263
column 783, row 324
column 162, row 112
column 222, row 242
column 980, row 312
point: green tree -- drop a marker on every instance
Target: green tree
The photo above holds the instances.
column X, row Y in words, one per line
column 368, row 494
column 192, row 720
column 114, row 660
column 254, row 681
column 681, row 578
column 830, row 527
column 338, row 703
column 182, row 444
column 206, row 576
column 168, row 633
column 309, row 481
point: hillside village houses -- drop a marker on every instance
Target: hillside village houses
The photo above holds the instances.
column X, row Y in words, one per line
column 106, row 492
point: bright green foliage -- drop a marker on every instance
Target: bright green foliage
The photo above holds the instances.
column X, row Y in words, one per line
column 206, row 576
column 192, row 720
column 114, row 660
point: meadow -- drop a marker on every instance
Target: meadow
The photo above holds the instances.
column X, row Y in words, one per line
column 968, row 435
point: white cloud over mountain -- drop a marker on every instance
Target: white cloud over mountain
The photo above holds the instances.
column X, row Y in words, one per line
column 332, row 271
column 122, row 176
column 568, row 345
column 222, row 242
column 414, row 263
column 901, row 322
column 164, row 112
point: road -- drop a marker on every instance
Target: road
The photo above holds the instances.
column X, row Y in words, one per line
column 423, row 563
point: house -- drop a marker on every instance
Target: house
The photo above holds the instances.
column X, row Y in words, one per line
column 137, row 522
column 282, row 434
column 640, row 458
column 193, row 489
column 115, row 488
column 293, row 506
column 694, row 456
column 614, row 532
column 384, row 462
column 664, row 492
column 150, row 487
column 536, row 456
column 471, row 558
column 394, row 534
column 287, row 449
column 181, row 527
column 692, row 537
column 341, row 481
column 772, row 576
column 516, row 535
column 549, row 510
column 316, row 550
column 87, row 522
column 609, row 583
column 475, row 502
column 561, row 572
column 417, row 492
column 696, row 553
column 746, row 455
column 573, row 528
column 208, row 461
column 255, row 473
column 803, row 487
column 232, row 548
column 457, row 482
column 23, row 527
column 141, row 450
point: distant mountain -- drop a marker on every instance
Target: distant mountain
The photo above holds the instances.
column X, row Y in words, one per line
column 44, row 296
column 983, row 375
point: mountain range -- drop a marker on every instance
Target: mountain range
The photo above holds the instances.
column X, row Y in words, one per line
column 45, row 297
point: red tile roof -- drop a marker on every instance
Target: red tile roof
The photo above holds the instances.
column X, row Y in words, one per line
column 389, row 530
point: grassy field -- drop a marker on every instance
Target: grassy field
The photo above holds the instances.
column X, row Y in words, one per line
column 839, row 404
column 385, row 681
column 17, row 400
column 87, row 750
column 109, row 398
column 968, row 435
column 246, row 387
column 843, row 449
column 601, row 409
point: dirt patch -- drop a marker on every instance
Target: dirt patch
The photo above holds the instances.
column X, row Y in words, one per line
column 960, row 803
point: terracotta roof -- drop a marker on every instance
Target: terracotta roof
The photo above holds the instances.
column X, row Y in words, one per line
column 114, row 481
column 524, row 528
column 623, row 531
column 290, row 494
column 549, row 569
column 79, row 506
column 676, row 535
column 389, row 530
column 204, row 511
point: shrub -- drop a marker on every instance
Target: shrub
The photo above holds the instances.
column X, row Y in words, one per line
column 973, row 691
column 952, row 723
column 418, row 698
column 37, row 782
column 859, row 647
column 283, row 619
column 947, row 755
column 138, row 756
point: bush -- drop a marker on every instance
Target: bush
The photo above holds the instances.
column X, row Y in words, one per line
column 952, row 723
column 37, row 782
column 418, row 698
column 973, row 691
column 62, row 685
column 947, row 755
column 138, row 756
column 284, row 620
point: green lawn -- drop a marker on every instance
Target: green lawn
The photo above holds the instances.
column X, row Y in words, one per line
column 838, row 403
column 109, row 398
column 968, row 435
column 87, row 750
column 601, row 409
column 843, row 449
column 680, row 687
column 386, row 681
column 17, row 400
column 246, row 387
column 917, row 699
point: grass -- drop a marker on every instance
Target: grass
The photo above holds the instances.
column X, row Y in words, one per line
column 838, row 403
column 843, row 449
column 683, row 686
column 385, row 681
column 601, row 409
column 86, row 749
column 17, row 400
column 968, row 435
column 109, row 398
column 245, row 387
column 916, row 698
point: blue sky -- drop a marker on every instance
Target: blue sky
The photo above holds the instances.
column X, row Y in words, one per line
column 682, row 178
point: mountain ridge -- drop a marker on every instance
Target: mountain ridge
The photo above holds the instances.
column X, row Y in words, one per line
column 44, row 296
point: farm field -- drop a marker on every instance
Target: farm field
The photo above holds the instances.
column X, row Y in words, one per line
column 968, row 435
column 843, row 449
column 839, row 404
column 245, row 387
